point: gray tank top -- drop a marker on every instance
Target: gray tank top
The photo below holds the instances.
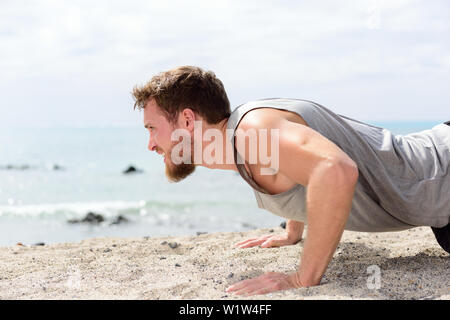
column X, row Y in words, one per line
column 404, row 181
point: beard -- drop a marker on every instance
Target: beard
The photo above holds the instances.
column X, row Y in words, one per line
column 178, row 172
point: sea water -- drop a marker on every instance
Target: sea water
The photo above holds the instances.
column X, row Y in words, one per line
column 49, row 176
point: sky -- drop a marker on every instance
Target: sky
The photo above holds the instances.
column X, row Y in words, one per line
column 74, row 63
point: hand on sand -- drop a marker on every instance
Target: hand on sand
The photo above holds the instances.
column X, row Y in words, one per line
column 268, row 241
column 269, row 282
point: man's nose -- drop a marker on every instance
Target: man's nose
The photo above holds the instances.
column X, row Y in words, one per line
column 151, row 144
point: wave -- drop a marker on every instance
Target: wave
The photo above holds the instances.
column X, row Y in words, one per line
column 109, row 208
column 69, row 209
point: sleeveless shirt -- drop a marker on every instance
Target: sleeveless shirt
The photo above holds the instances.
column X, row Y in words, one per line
column 403, row 182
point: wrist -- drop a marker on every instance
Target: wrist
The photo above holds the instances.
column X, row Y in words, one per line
column 294, row 230
column 296, row 281
column 302, row 281
column 293, row 238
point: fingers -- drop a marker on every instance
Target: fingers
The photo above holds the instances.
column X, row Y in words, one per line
column 253, row 239
column 252, row 242
column 266, row 283
column 246, row 287
column 271, row 243
column 267, row 241
column 238, row 286
column 275, row 242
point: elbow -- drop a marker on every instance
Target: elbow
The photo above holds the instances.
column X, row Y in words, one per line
column 350, row 169
column 342, row 171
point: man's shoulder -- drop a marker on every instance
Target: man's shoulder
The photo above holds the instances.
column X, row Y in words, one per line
column 268, row 118
column 257, row 118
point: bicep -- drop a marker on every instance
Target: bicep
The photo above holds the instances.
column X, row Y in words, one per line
column 295, row 150
column 303, row 150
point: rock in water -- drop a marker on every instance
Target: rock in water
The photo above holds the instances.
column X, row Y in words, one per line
column 119, row 219
column 14, row 167
column 131, row 169
column 91, row 218
column 57, row 167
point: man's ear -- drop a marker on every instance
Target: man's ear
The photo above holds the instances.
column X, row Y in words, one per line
column 186, row 119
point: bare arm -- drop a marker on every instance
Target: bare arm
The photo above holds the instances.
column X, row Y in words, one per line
column 329, row 198
column 310, row 159
column 330, row 176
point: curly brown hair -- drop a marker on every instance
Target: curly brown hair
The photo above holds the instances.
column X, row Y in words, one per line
column 185, row 87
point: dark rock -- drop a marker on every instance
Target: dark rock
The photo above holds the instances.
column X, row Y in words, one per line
column 24, row 167
column 107, row 250
column 57, row 167
column 132, row 169
column 173, row 245
column 164, row 242
column 200, row 233
column 283, row 225
column 90, row 218
column 18, row 167
column 177, row 265
column 231, row 275
column 39, row 244
column 119, row 219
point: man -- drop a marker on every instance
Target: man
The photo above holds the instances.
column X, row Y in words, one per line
column 326, row 170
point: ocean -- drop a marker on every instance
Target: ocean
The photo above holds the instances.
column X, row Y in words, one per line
column 49, row 176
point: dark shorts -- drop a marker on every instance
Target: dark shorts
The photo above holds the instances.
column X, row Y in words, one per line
column 443, row 234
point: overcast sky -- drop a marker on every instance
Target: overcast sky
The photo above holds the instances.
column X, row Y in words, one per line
column 75, row 62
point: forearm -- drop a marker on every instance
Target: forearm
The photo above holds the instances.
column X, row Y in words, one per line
column 294, row 230
column 329, row 200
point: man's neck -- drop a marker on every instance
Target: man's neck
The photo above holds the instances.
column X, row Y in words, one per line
column 227, row 159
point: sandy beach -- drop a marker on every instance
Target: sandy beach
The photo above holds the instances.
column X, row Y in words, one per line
column 411, row 264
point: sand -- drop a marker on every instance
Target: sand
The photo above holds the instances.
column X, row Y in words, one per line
column 411, row 264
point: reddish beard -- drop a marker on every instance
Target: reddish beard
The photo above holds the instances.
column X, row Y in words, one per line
column 178, row 172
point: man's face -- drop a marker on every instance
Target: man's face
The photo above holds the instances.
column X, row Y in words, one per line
column 160, row 130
